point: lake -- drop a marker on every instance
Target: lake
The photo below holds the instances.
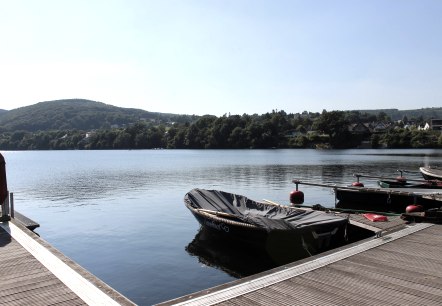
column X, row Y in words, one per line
column 120, row 214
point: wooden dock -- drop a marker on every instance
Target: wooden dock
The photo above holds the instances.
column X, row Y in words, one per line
column 399, row 267
column 32, row 272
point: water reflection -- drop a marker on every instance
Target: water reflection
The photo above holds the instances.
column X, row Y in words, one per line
column 234, row 258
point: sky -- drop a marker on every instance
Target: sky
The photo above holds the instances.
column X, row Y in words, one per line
column 223, row 56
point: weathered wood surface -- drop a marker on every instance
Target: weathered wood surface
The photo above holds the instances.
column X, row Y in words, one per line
column 401, row 268
column 34, row 273
column 28, row 223
column 393, row 223
column 25, row 281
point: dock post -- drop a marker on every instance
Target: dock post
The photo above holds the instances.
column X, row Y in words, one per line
column 5, row 210
column 4, row 194
column 11, row 204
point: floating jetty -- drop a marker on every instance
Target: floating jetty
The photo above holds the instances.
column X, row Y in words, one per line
column 32, row 272
column 400, row 266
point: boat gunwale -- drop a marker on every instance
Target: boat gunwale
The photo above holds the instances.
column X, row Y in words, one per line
column 214, row 217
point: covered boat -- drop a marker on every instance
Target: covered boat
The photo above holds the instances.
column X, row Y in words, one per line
column 280, row 229
column 431, row 173
column 387, row 199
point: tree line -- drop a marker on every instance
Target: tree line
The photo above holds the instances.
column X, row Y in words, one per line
column 271, row 130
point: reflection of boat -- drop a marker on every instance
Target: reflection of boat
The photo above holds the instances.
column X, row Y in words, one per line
column 235, row 258
column 281, row 230
column 431, row 173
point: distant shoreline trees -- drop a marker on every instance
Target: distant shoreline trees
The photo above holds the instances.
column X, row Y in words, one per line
column 335, row 129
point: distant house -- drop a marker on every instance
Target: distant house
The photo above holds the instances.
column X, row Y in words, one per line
column 426, row 127
column 300, row 131
column 380, row 127
column 89, row 134
column 436, row 124
column 359, row 128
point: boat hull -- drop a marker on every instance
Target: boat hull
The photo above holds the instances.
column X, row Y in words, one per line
column 386, row 202
column 282, row 246
column 430, row 173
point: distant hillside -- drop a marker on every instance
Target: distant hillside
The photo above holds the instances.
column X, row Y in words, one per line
column 80, row 114
column 77, row 114
column 3, row 111
column 395, row 114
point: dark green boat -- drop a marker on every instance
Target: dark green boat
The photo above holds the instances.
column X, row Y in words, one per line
column 405, row 184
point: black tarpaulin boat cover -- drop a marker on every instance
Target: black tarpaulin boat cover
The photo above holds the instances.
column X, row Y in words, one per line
column 267, row 216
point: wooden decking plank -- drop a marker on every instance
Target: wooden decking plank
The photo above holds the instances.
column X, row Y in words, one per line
column 32, row 268
column 12, row 257
column 301, row 293
column 363, row 264
column 46, row 299
column 24, row 287
column 354, row 284
column 23, row 275
column 44, row 255
column 412, row 248
column 383, row 283
column 40, row 296
column 260, row 298
column 335, row 293
column 287, row 295
column 406, row 288
column 24, row 280
column 330, row 292
column 26, row 277
column 239, row 301
column 272, row 296
column 74, row 301
column 400, row 261
column 7, row 282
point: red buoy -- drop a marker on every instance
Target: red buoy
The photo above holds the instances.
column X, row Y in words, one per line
column 296, row 197
column 357, row 184
column 414, row 208
column 401, row 179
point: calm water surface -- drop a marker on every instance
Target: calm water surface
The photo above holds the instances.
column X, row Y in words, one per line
column 120, row 214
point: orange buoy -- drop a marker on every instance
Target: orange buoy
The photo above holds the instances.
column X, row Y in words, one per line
column 414, row 208
column 296, row 197
column 357, row 184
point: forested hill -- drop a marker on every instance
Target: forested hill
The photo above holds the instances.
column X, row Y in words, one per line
column 78, row 114
column 395, row 114
column 85, row 115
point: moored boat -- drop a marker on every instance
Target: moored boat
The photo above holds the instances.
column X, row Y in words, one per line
column 431, row 173
column 277, row 228
column 387, row 199
column 394, row 200
column 427, row 184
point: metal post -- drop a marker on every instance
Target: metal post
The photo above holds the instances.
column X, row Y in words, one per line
column 7, row 206
column 5, row 209
column 11, row 199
